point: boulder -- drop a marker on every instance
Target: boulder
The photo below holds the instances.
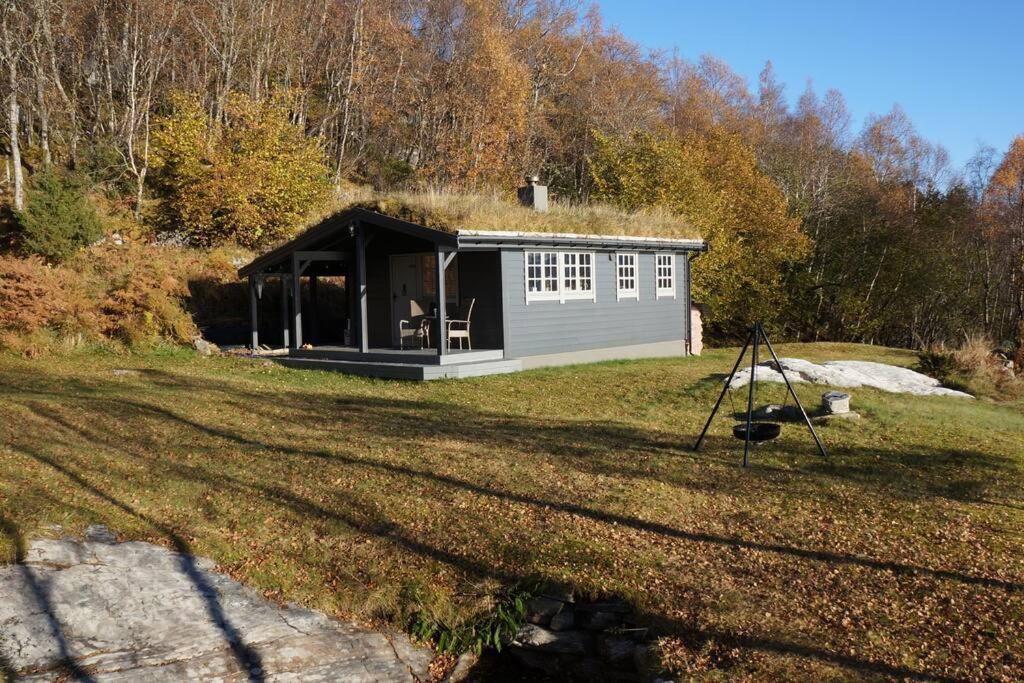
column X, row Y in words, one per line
column 562, row 594
column 98, row 610
column 463, row 668
column 848, row 374
column 616, row 606
column 599, row 621
column 98, row 533
column 835, row 402
column 205, row 348
column 540, row 609
column 616, row 650
column 535, row 637
column 563, row 621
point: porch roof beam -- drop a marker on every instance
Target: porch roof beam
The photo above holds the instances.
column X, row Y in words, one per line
column 322, row 255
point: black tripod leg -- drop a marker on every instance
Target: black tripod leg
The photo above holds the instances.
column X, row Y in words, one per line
column 789, row 386
column 750, row 394
column 725, row 388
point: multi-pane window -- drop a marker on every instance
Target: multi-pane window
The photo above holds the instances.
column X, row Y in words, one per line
column 665, row 275
column 542, row 275
column 626, row 276
column 577, row 275
column 553, row 275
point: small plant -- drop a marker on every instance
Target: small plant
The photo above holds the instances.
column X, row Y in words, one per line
column 495, row 628
column 58, row 219
column 938, row 362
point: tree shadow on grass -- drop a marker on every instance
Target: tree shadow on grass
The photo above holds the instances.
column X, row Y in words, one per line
column 391, row 532
column 572, row 443
column 246, row 657
column 697, row 636
column 593, row 446
column 66, row 665
column 407, row 471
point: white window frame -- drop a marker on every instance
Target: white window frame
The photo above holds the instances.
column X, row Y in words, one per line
column 620, row 292
column 561, row 293
column 541, row 275
column 659, row 275
column 577, row 257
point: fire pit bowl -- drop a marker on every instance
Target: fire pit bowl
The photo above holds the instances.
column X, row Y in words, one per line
column 759, row 431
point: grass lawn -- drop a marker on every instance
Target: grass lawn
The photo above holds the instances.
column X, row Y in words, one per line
column 901, row 556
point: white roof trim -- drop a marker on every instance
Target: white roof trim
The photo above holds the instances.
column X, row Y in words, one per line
column 513, row 234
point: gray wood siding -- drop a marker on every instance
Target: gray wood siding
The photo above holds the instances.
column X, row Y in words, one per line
column 545, row 327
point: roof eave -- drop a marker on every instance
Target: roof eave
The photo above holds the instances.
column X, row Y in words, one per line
column 471, row 238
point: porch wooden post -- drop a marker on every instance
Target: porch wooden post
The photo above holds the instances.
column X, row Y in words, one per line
column 296, row 303
column 350, row 299
column 364, row 335
column 285, row 326
column 254, row 314
column 442, row 299
column 314, row 320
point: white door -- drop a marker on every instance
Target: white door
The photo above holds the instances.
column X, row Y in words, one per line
column 406, row 281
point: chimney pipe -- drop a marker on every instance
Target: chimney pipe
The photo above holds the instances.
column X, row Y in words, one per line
column 534, row 195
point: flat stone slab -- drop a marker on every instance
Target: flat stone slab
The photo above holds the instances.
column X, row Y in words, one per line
column 849, row 374
column 104, row 611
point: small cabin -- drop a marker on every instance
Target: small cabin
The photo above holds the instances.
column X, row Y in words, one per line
column 415, row 301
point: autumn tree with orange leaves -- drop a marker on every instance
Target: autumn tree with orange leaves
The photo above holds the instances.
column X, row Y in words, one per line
column 896, row 247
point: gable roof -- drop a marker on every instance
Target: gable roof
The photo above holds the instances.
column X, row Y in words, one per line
column 454, row 212
column 329, row 229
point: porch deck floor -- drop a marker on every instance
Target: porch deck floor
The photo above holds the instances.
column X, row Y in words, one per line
column 404, row 370
column 398, row 356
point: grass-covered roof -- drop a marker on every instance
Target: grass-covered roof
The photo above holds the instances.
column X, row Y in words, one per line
column 453, row 212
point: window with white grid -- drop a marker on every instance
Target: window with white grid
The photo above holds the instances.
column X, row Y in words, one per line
column 626, row 276
column 542, row 275
column 665, row 275
column 558, row 276
column 577, row 275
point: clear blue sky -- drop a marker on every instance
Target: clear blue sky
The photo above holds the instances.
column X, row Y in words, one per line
column 956, row 68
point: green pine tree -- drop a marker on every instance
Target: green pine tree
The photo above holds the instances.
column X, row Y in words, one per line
column 58, row 219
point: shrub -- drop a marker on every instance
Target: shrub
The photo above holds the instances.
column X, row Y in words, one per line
column 251, row 179
column 973, row 367
column 39, row 303
column 58, row 219
column 141, row 291
column 132, row 295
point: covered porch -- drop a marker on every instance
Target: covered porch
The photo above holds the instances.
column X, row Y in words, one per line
column 363, row 288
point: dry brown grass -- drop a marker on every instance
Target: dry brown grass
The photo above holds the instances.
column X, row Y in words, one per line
column 35, row 297
column 451, row 211
column 132, row 294
column 973, row 367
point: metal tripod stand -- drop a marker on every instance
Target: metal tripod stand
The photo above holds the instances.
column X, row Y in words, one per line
column 757, row 333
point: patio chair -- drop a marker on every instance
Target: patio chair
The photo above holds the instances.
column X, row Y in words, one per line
column 458, row 328
column 415, row 327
